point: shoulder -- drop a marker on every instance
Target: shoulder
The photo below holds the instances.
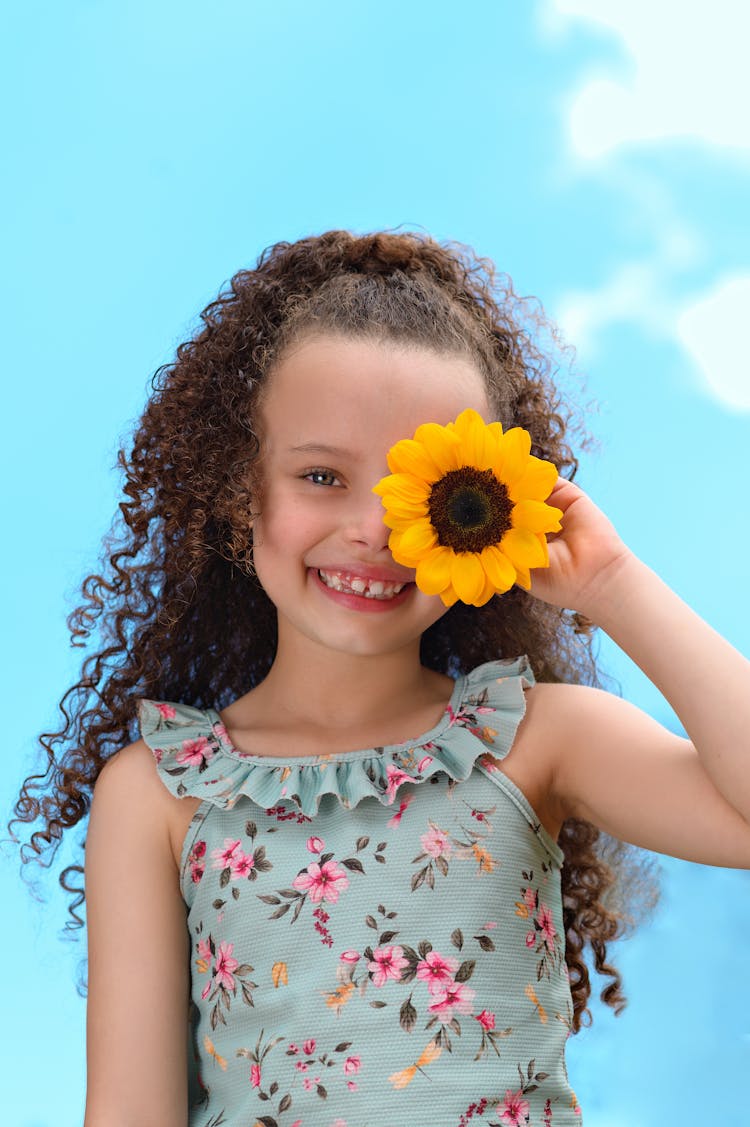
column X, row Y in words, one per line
column 559, row 721
column 130, row 779
column 566, row 709
column 560, row 718
column 132, row 800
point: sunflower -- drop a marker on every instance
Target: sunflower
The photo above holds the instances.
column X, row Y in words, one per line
column 466, row 507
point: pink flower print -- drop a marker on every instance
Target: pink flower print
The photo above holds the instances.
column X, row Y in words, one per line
column 207, row 989
column 293, row 1048
column 454, row 997
column 352, row 1065
column 424, row 763
column 529, row 897
column 395, row 778
column 436, row 842
column 351, row 1085
column 204, row 950
column 530, row 939
column 223, row 857
column 387, row 963
column 515, row 1109
column 323, row 882
column 486, row 1019
column 225, row 964
column 546, row 926
column 489, row 925
column 241, row 864
column 436, row 970
column 316, row 844
column 396, row 819
column 194, row 752
column 166, row 711
column 255, row 1075
column 301, row 1065
column 195, row 860
column 350, row 956
column 308, row 1084
column 308, row 1047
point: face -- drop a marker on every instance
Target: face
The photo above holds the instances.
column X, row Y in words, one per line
column 332, row 409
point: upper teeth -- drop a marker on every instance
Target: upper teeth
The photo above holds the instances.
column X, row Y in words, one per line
column 358, row 585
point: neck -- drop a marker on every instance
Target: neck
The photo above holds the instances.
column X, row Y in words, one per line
column 322, row 688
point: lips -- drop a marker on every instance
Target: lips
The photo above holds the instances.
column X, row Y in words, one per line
column 347, row 596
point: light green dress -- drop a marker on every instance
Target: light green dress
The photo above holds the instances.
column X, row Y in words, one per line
column 377, row 935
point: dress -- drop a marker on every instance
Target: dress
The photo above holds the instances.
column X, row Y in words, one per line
column 376, row 936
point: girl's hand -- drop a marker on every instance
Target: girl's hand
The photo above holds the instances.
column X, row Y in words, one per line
column 583, row 557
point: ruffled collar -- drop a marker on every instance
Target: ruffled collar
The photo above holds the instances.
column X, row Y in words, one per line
column 196, row 757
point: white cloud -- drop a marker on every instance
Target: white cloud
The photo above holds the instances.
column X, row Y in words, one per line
column 682, row 72
column 711, row 328
column 638, row 290
column 714, row 331
column 686, row 73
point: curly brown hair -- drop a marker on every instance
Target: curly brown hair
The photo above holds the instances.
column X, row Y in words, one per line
column 176, row 607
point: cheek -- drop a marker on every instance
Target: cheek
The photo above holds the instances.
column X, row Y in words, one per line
column 430, row 607
column 284, row 531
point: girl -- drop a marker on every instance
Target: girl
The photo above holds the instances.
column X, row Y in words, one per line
column 359, row 831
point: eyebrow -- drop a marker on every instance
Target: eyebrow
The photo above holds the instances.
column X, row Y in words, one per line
column 321, row 448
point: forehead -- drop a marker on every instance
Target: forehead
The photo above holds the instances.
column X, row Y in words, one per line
column 371, row 392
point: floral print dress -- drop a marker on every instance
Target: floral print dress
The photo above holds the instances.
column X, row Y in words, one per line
column 376, row 936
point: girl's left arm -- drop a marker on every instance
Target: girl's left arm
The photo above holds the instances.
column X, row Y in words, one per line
column 614, row 765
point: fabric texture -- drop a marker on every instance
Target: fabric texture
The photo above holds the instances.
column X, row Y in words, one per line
column 376, row 935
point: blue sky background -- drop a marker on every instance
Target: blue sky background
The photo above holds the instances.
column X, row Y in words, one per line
column 598, row 151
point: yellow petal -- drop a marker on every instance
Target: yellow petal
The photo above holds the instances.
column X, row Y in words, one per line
column 500, row 571
column 515, row 449
column 488, row 591
column 522, row 548
column 468, row 420
column 406, row 559
column 404, row 486
column 467, row 576
column 536, row 516
column 536, row 481
column 441, row 444
column 523, row 579
column 476, row 450
column 543, row 541
column 403, row 512
column 409, row 456
column 434, row 571
column 449, row 597
column 418, row 538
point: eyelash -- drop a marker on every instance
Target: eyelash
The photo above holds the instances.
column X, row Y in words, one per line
column 319, row 473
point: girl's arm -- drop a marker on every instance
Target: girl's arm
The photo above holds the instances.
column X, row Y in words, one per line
column 138, row 952
column 613, row 764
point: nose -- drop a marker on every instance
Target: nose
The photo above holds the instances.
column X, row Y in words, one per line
column 365, row 524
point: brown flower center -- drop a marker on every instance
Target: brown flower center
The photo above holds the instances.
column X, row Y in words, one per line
column 469, row 509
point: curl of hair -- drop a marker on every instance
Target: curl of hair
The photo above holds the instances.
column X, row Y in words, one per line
column 175, row 607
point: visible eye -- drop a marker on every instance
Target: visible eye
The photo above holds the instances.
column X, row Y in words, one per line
column 321, row 477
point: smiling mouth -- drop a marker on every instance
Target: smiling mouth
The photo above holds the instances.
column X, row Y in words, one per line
column 358, row 585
